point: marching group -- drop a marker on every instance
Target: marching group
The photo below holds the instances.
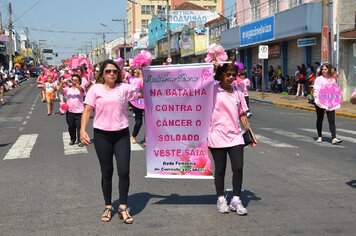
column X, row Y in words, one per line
column 108, row 90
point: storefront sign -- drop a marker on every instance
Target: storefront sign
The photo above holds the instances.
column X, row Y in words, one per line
column 263, row 52
column 274, row 51
column 178, row 105
column 258, row 31
column 306, row 42
column 187, row 41
column 215, row 32
column 188, row 16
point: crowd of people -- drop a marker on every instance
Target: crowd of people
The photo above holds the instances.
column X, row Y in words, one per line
column 299, row 84
column 11, row 79
column 109, row 91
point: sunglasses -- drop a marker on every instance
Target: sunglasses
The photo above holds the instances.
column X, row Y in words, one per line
column 109, row 71
column 230, row 74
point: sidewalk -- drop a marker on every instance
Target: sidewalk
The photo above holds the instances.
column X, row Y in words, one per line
column 347, row 109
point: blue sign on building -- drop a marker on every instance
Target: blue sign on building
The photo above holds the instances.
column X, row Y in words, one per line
column 258, row 31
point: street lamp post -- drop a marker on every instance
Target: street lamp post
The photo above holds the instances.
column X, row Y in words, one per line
column 168, row 33
column 124, row 23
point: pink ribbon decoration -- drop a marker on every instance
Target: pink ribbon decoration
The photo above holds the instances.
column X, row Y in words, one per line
column 216, row 52
column 239, row 66
column 119, row 61
column 144, row 58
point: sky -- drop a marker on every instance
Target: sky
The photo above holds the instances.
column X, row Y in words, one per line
column 70, row 26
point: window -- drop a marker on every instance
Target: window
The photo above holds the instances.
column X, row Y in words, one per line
column 147, row 9
column 273, row 6
column 255, row 11
column 210, row 8
column 144, row 24
column 294, row 3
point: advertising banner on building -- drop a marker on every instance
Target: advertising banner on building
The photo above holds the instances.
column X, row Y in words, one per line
column 258, row 31
column 189, row 16
column 215, row 32
column 178, row 106
column 187, row 42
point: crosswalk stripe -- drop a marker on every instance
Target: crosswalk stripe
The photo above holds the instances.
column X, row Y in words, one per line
column 72, row 149
column 299, row 137
column 274, row 143
column 352, row 140
column 22, row 147
column 347, row 131
column 11, row 119
column 136, row 147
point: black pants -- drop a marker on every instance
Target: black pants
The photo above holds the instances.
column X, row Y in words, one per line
column 247, row 99
column 108, row 143
column 138, row 120
column 236, row 154
column 319, row 121
column 73, row 121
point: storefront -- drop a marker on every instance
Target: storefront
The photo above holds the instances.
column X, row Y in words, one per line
column 281, row 33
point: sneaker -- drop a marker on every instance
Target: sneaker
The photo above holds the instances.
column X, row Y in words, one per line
column 336, row 141
column 71, row 143
column 133, row 139
column 319, row 140
column 222, row 206
column 80, row 145
column 249, row 114
column 236, row 205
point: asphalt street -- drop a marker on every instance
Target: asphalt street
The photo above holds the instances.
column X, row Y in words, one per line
column 292, row 185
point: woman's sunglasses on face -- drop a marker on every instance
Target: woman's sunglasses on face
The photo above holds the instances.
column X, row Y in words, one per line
column 109, row 71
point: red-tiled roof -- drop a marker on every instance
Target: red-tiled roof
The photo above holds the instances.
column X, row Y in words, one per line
column 189, row 6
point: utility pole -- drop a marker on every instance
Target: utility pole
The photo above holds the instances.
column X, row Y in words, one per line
column 124, row 23
column 10, row 38
column 169, row 59
column 1, row 26
column 104, row 47
column 325, row 32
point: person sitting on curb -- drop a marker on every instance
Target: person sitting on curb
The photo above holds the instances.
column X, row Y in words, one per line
column 353, row 97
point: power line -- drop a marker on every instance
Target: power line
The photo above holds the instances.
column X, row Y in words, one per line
column 71, row 32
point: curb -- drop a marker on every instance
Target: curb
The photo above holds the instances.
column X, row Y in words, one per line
column 283, row 104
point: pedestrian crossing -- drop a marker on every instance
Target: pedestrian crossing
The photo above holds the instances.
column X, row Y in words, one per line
column 22, row 147
column 72, row 149
column 282, row 139
column 24, row 144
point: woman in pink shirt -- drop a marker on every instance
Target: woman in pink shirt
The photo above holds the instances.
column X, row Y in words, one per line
column 109, row 98
column 325, row 78
column 137, row 81
column 74, row 94
column 225, row 136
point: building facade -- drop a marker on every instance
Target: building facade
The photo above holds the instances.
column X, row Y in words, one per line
column 140, row 13
column 293, row 31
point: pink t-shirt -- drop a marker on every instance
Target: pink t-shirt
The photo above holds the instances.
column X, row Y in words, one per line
column 74, row 99
column 225, row 129
column 84, row 83
column 137, row 82
column 110, row 105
